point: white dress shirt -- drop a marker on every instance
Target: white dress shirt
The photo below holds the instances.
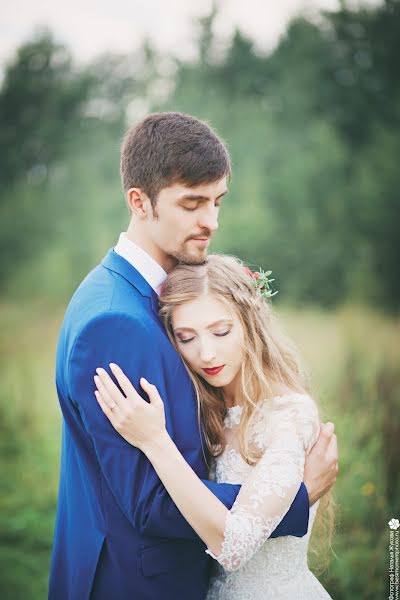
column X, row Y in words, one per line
column 150, row 270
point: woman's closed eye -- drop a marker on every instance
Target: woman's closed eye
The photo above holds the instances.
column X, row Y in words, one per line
column 187, row 340
column 222, row 334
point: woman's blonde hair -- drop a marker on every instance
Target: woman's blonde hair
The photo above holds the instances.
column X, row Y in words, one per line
column 270, row 359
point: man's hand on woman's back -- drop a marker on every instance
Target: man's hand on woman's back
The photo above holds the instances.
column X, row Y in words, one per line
column 321, row 467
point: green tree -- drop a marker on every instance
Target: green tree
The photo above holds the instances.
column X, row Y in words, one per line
column 40, row 101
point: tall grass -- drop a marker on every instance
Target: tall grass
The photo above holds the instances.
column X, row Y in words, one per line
column 29, row 449
column 353, row 358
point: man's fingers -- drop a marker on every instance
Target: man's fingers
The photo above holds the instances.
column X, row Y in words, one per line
column 325, row 435
column 122, row 379
column 333, row 451
column 333, row 444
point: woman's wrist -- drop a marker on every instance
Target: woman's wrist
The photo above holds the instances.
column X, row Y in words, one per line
column 157, row 444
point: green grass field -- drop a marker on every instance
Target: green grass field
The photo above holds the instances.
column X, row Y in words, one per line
column 353, row 358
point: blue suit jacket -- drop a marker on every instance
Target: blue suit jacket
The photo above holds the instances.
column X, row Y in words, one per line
column 118, row 534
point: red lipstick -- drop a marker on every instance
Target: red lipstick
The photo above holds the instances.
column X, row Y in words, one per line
column 214, row 370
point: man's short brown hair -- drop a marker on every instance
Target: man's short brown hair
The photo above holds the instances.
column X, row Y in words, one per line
column 171, row 147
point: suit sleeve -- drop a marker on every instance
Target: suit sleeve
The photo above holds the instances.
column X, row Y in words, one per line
column 118, row 337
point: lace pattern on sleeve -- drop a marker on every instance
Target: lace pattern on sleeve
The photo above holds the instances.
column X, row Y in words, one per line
column 285, row 430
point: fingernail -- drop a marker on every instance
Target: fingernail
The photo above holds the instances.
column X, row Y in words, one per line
column 144, row 379
column 112, row 365
column 98, row 371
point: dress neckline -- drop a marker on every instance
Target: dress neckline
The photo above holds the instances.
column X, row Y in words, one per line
column 233, row 415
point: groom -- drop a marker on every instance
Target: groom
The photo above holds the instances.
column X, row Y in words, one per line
column 118, row 534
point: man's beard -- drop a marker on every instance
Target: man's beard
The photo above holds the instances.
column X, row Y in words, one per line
column 186, row 257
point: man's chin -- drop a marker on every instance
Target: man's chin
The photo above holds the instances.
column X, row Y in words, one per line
column 191, row 258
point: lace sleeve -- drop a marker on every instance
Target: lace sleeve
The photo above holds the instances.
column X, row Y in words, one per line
column 287, row 435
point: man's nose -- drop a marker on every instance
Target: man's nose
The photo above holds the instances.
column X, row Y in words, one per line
column 209, row 219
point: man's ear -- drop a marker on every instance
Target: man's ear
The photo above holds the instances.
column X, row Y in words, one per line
column 139, row 203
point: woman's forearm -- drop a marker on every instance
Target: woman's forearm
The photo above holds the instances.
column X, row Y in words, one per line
column 201, row 509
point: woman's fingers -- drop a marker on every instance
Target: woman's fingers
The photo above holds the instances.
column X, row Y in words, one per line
column 104, row 407
column 112, row 389
column 122, row 379
column 105, row 396
column 151, row 391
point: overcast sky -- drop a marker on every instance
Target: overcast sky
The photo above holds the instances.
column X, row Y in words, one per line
column 89, row 27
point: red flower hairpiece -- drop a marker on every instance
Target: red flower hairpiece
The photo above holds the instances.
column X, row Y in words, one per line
column 261, row 282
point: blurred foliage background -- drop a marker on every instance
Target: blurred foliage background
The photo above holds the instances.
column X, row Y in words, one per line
column 313, row 130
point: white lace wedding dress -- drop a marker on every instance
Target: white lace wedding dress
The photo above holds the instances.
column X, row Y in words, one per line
column 251, row 566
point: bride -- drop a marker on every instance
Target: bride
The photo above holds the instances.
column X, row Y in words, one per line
column 259, row 424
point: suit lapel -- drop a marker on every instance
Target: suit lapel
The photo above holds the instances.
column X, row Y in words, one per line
column 114, row 262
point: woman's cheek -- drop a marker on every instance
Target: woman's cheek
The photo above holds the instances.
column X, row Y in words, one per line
column 236, row 344
column 189, row 357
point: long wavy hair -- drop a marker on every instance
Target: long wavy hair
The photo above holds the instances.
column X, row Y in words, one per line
column 270, row 360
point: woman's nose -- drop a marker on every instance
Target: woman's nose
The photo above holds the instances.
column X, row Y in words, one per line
column 207, row 353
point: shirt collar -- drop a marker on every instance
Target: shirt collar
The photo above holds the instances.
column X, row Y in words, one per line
column 152, row 272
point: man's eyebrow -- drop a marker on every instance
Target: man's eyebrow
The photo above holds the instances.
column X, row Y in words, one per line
column 225, row 320
column 199, row 196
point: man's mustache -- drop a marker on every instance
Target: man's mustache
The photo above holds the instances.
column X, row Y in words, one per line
column 206, row 235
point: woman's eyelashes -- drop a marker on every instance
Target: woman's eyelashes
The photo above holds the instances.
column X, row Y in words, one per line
column 222, row 334
column 187, row 340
